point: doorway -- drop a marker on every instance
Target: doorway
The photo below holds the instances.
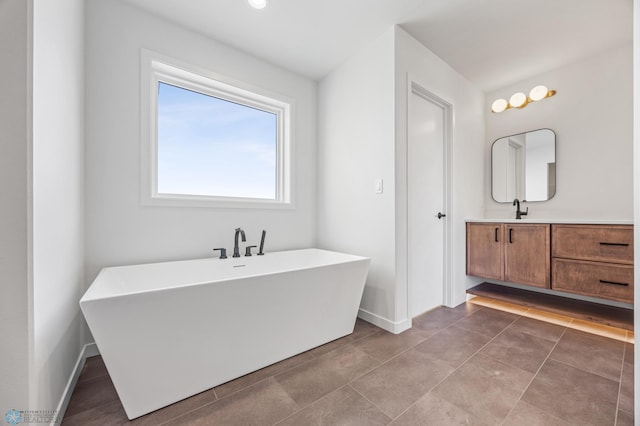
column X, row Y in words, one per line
column 428, row 204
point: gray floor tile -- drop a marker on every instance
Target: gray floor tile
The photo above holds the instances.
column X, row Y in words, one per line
column 320, row 376
column 626, row 388
column 595, row 354
column 541, row 329
column 629, row 353
column 253, row 378
column 110, row 414
column 486, row 388
column 525, row 414
column 519, row 349
column 432, row 410
column 624, row 419
column 91, row 393
column 437, row 319
column 488, row 322
column 394, row 386
column 361, row 330
column 453, row 345
column 344, row 406
column 384, row 345
column 264, row 403
column 93, row 367
column 176, row 410
column 573, row 394
column 465, row 308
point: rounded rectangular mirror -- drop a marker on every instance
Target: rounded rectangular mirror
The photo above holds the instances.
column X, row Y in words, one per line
column 523, row 166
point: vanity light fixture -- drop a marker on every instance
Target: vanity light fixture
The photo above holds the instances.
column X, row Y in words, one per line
column 258, row 4
column 520, row 100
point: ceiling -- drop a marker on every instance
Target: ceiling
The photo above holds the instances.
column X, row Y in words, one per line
column 493, row 43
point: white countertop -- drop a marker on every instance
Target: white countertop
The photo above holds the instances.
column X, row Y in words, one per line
column 559, row 221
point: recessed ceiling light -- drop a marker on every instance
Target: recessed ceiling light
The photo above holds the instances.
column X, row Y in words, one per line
column 258, row 4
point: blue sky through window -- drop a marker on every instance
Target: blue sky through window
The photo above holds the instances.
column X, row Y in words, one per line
column 210, row 146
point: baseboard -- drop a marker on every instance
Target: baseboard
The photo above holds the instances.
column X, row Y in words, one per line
column 91, row 349
column 395, row 327
column 87, row 351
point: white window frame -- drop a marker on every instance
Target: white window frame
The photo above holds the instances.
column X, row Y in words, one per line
column 156, row 68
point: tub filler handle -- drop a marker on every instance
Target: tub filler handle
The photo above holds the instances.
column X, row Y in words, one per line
column 247, row 252
column 223, row 252
column 264, row 234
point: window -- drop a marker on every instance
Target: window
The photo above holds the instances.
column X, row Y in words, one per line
column 210, row 142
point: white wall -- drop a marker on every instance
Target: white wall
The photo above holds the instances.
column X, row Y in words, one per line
column 415, row 62
column 15, row 118
column 119, row 229
column 355, row 147
column 362, row 136
column 592, row 117
column 42, row 218
column 58, row 197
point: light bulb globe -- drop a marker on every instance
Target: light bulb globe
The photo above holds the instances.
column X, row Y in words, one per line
column 538, row 93
column 518, row 100
column 499, row 105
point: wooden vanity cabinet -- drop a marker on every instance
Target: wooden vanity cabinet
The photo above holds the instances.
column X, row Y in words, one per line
column 591, row 260
column 594, row 260
column 513, row 252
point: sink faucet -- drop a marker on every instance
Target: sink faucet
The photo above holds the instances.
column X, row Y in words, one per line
column 236, row 249
column 519, row 213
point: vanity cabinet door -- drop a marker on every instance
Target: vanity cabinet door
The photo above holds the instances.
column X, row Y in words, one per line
column 528, row 254
column 485, row 250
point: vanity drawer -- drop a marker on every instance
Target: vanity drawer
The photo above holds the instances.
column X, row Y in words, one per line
column 605, row 280
column 602, row 243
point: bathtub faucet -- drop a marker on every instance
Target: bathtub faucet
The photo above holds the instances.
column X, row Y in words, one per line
column 236, row 249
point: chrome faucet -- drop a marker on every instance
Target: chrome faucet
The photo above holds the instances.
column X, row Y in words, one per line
column 223, row 252
column 519, row 213
column 236, row 249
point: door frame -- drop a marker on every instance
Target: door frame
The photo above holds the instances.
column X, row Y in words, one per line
column 415, row 88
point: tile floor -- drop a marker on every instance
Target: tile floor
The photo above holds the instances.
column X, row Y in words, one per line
column 468, row 365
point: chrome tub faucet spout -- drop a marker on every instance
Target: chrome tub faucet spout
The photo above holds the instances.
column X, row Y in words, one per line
column 236, row 248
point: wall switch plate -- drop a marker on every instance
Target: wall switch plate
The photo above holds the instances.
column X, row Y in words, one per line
column 379, row 186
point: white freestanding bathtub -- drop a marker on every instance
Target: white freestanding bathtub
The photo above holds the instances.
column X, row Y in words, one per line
column 170, row 330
